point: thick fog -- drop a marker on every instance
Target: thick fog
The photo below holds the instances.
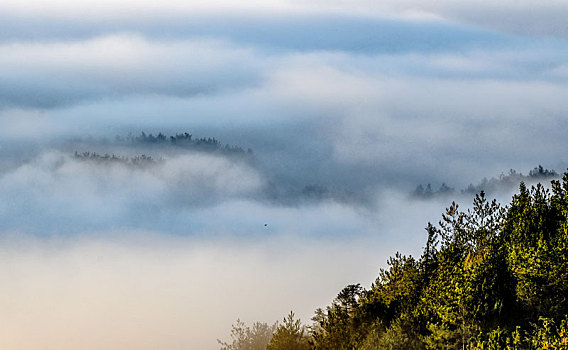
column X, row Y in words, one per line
column 309, row 127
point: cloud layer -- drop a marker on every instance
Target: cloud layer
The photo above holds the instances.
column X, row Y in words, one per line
column 347, row 107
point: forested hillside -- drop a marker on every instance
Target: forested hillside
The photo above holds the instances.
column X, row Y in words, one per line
column 504, row 183
column 184, row 140
column 490, row 277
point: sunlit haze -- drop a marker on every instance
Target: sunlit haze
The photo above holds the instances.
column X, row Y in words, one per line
column 309, row 126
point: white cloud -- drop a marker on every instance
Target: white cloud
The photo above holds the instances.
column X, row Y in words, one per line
column 143, row 289
column 372, row 122
column 60, row 194
column 129, row 8
column 520, row 17
column 59, row 73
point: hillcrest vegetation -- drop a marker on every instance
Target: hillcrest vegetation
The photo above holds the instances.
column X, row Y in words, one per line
column 490, row 277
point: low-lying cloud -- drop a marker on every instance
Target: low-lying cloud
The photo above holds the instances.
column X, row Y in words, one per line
column 57, row 74
column 346, row 108
column 148, row 291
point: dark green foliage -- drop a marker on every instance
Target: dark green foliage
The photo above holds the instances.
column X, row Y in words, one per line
column 488, row 278
column 332, row 327
column 290, row 335
column 187, row 141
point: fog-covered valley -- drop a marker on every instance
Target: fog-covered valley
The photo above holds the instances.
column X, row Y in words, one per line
column 294, row 139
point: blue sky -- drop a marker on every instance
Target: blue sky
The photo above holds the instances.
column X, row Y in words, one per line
column 364, row 99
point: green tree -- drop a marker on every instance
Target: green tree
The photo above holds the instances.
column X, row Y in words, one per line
column 289, row 335
column 488, row 278
column 339, row 326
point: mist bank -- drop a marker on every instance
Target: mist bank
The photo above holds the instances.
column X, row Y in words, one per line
column 192, row 284
column 176, row 184
column 347, row 107
column 144, row 290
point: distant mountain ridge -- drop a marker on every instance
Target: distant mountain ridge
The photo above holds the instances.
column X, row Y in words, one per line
column 504, row 182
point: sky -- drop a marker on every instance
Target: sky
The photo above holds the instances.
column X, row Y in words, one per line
column 347, row 106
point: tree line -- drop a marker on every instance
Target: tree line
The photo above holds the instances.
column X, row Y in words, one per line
column 185, row 140
column 139, row 160
column 504, row 182
column 490, row 277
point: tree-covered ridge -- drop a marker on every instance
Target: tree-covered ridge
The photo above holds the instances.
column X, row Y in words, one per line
column 485, row 278
column 139, row 161
column 275, row 190
column 490, row 277
column 504, row 182
column 186, row 141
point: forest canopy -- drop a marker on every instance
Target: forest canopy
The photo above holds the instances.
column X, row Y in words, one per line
column 184, row 140
column 490, row 277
